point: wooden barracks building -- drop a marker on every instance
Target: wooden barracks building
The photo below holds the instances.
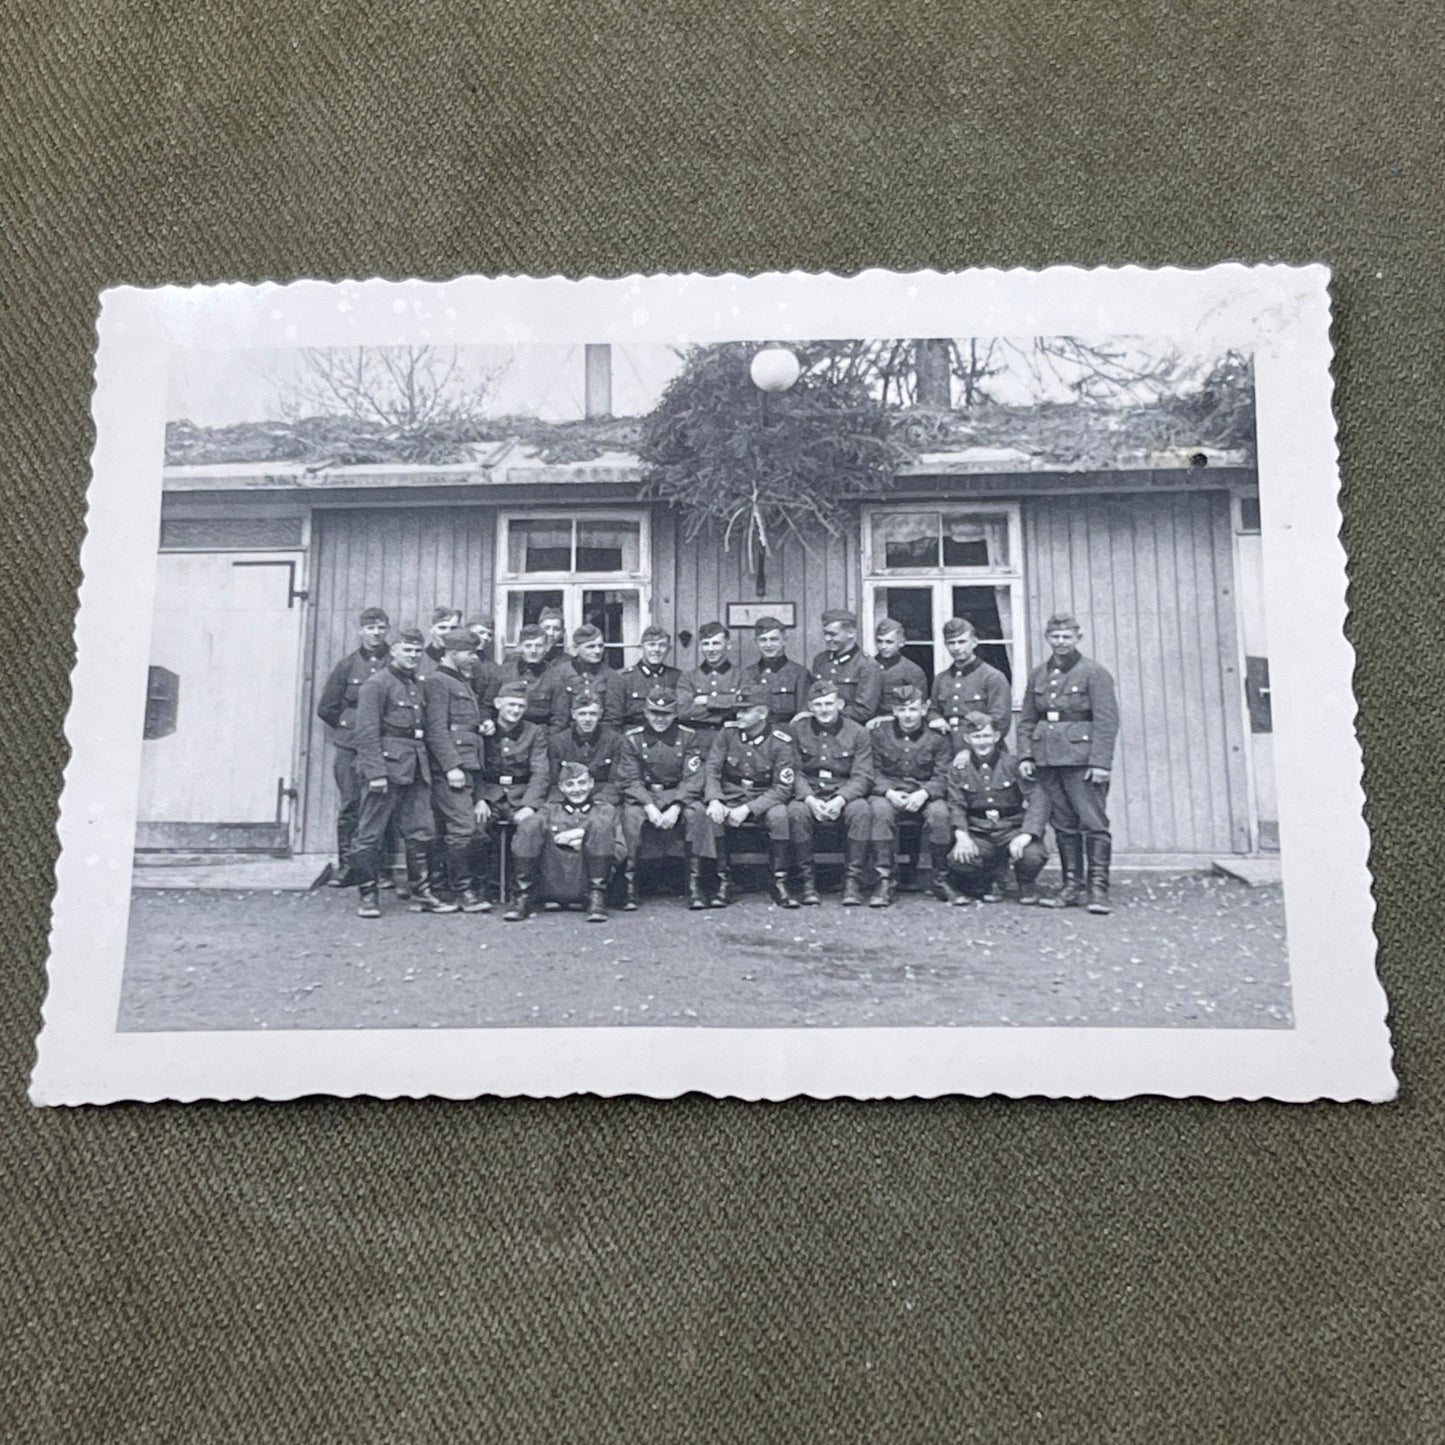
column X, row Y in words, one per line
column 264, row 567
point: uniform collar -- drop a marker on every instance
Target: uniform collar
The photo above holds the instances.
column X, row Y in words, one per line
column 435, row 652
column 773, row 664
column 648, row 670
column 756, row 737
column 372, row 653
column 587, row 667
column 535, row 668
column 1067, row 664
column 402, row 673
column 578, row 807
column 724, row 666
column 990, row 761
column 595, row 736
column 887, row 662
column 847, row 655
column 914, row 735
column 452, row 672
column 962, row 669
column 833, row 728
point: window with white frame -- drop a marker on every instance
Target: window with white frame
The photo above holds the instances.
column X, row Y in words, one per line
column 594, row 568
column 926, row 562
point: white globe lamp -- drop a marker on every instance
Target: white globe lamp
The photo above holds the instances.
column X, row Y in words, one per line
column 775, row 368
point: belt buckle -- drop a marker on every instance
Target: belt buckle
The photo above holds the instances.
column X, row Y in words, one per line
column 655, row 787
column 992, row 814
column 1053, row 717
column 418, row 733
column 824, row 776
column 746, row 783
column 505, row 780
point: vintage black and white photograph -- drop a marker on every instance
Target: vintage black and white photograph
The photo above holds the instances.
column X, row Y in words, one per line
column 724, row 682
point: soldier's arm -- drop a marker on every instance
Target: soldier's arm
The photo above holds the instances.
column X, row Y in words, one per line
column 609, row 790
column 869, row 694
column 1000, row 702
column 691, row 787
column 882, row 782
column 614, row 700
column 687, row 699
column 713, row 771
column 559, row 701
column 1036, row 807
column 1104, row 704
column 628, row 772
column 802, row 788
column 489, row 680
column 369, row 703
column 333, row 695
column 860, row 781
column 784, row 775
column 800, row 693
column 1028, row 721
column 541, row 779
column 439, row 739
column 936, row 784
column 957, row 798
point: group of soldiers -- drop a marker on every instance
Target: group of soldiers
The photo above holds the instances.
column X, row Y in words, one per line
column 440, row 749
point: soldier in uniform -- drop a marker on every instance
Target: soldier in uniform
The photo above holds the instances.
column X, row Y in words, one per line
column 659, row 773
column 968, row 685
column 391, row 761
column 486, row 673
column 707, row 695
column 565, row 851
column 910, row 762
column 337, row 709
column 589, row 740
column 899, row 672
column 529, row 667
column 857, row 676
column 554, row 629
column 653, row 671
column 453, row 738
column 786, row 681
column 1067, row 730
column 443, row 620
column 835, row 776
column 749, row 775
column 585, row 671
column 998, row 816
column 515, row 776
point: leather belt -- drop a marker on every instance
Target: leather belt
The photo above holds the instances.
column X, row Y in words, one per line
column 414, row 735
column 1055, row 716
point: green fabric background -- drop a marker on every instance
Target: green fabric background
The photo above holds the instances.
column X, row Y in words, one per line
column 625, row 1270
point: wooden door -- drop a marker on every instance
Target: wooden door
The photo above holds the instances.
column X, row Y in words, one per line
column 216, row 767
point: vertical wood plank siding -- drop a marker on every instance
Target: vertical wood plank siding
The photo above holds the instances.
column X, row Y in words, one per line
column 407, row 560
column 1151, row 580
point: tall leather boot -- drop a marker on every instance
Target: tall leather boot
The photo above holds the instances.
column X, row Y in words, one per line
column 1071, row 865
column 855, row 858
column 630, row 898
column 696, row 898
column 368, row 902
column 883, row 865
column 597, row 896
column 1100, row 851
column 778, row 855
column 464, row 886
column 807, row 876
column 343, row 874
column 943, row 890
column 723, row 894
column 418, row 881
column 526, row 902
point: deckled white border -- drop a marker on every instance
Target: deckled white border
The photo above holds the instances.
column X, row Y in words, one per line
column 1339, row 1048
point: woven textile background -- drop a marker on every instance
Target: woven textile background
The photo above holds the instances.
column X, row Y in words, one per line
column 632, row 1271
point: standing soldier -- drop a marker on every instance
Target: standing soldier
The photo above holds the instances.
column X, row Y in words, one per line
column 899, row 672
column 486, row 673
column 391, row 761
column 443, row 620
column 910, row 763
column 337, row 709
column 453, row 737
column 969, row 685
column 707, row 695
column 566, row 850
column 585, row 671
column 998, row 816
column 529, row 667
column 835, row 776
column 642, row 677
column 750, row 773
column 785, row 681
column 554, row 629
column 858, row 678
column 589, row 740
column 659, row 773
column 1067, row 731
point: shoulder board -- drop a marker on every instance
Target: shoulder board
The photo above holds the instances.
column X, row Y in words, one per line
column 633, row 731
column 683, row 728
column 732, row 722
column 782, row 736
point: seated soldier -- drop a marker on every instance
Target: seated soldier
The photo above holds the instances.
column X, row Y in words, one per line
column 652, row 671
column 748, row 777
column 588, row 741
column 998, row 816
column 910, row 764
column 659, row 772
column 565, row 851
column 514, row 775
column 835, row 776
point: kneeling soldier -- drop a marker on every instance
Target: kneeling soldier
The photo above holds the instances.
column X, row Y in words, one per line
column 566, row 850
column 391, row 761
column 910, row 763
column 514, row 776
column 998, row 816
column 659, row 773
column 749, row 775
column 835, row 776
column 453, row 736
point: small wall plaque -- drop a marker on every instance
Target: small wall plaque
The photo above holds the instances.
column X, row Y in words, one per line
column 746, row 614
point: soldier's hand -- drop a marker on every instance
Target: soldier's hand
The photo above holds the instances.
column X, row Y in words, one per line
column 897, row 797
column 1096, row 775
column 1017, row 846
column 456, row 778
column 482, row 811
column 570, row 838
column 965, row 850
column 377, row 785
column 487, row 727
column 670, row 816
column 833, row 809
column 654, row 815
column 939, row 725
column 876, row 722
column 818, row 808
column 717, row 813
column 1026, row 768
column 522, row 814
column 916, row 799
column 738, row 816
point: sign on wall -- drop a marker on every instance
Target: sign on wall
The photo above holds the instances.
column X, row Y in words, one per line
column 746, row 614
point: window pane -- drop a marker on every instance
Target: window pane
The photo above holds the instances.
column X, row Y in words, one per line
column 609, row 546
column 906, row 539
column 524, row 607
column 618, row 613
column 972, row 539
column 989, row 609
column 539, row 546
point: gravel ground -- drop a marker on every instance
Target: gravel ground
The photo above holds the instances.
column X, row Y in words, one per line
column 1192, row 951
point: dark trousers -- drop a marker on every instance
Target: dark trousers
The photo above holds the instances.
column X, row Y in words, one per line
column 703, row 835
column 856, row 822
column 1074, row 805
column 933, row 815
column 635, row 827
column 599, row 841
column 452, row 807
column 993, row 859
column 408, row 803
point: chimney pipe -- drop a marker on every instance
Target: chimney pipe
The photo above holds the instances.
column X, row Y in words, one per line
column 598, row 385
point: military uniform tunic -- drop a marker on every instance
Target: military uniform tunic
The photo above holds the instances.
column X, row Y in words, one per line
column 858, row 678
column 486, row 677
column 453, row 720
column 391, row 745
column 707, row 696
column 786, row 683
column 661, row 768
column 573, row 676
column 600, row 750
column 899, row 672
column 753, row 770
column 905, row 762
column 833, row 762
column 337, row 709
column 639, row 680
column 563, row 874
column 976, row 686
column 991, row 800
column 514, row 768
column 534, row 677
